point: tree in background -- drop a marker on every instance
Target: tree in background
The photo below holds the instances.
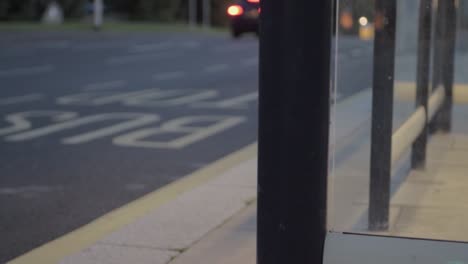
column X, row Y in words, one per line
column 4, row 7
column 137, row 10
column 160, row 10
column 167, row 10
column 19, row 9
column 72, row 8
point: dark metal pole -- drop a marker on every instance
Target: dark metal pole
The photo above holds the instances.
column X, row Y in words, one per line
column 418, row 158
column 295, row 41
column 447, row 71
column 444, row 61
column 382, row 113
column 438, row 43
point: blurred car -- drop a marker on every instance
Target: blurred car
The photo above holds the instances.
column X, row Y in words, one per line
column 244, row 16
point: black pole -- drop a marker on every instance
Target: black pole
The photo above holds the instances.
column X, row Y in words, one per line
column 295, row 40
column 447, row 70
column 382, row 113
column 438, row 43
column 444, row 57
column 418, row 155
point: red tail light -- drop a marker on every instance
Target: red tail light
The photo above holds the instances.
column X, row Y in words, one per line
column 253, row 1
column 235, row 10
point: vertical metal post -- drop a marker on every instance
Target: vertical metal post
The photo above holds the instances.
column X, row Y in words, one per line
column 192, row 12
column 448, row 7
column 293, row 130
column 206, row 13
column 98, row 11
column 438, row 44
column 418, row 155
column 382, row 113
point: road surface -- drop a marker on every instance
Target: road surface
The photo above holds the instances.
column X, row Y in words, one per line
column 91, row 121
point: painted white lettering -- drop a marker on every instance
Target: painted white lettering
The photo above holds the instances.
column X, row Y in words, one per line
column 161, row 99
column 137, row 119
column 184, row 125
column 237, row 102
column 20, row 121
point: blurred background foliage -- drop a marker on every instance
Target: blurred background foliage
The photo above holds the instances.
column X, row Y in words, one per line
column 135, row 10
column 163, row 10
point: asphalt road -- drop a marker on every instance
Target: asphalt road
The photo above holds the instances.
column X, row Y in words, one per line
column 92, row 121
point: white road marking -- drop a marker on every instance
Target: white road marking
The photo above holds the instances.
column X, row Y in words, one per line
column 126, row 97
column 26, row 71
column 119, row 60
column 142, row 120
column 29, row 190
column 159, row 99
column 250, row 62
column 182, row 125
column 136, row 120
column 163, row 76
column 105, row 85
column 19, row 121
column 151, row 47
column 239, row 100
column 216, row 68
column 235, row 102
column 21, row 99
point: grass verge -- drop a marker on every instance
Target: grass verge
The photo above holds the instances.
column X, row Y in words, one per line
column 109, row 26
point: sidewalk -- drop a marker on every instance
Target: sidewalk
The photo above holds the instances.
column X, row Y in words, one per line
column 431, row 204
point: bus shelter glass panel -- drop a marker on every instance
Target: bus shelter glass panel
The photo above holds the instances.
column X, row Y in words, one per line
column 399, row 130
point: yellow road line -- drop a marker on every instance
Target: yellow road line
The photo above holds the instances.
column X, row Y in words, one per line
column 406, row 91
column 58, row 249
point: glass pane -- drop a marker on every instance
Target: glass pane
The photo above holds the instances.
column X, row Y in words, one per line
column 422, row 182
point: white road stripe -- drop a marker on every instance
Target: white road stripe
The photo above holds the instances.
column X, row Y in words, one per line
column 119, row 60
column 216, row 68
column 240, row 100
column 168, row 75
column 21, row 99
column 26, row 71
column 105, row 85
column 237, row 102
column 131, row 119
